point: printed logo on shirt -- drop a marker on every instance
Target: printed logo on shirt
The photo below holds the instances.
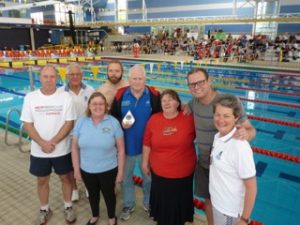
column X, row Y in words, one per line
column 125, row 103
column 49, row 109
column 219, row 155
column 106, row 129
column 169, row 131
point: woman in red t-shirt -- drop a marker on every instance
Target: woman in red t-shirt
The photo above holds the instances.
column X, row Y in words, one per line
column 169, row 154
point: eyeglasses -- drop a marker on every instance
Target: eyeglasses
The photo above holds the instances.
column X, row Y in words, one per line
column 97, row 104
column 74, row 74
column 198, row 83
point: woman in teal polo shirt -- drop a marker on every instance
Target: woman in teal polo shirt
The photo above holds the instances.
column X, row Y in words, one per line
column 98, row 155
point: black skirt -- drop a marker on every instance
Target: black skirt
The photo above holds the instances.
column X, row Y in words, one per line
column 171, row 200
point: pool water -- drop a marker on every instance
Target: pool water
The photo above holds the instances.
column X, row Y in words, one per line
column 265, row 95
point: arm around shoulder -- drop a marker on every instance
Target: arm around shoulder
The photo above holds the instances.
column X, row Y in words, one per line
column 251, row 131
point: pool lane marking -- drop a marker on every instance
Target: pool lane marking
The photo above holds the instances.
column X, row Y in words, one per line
column 11, row 91
column 290, row 177
column 268, row 91
column 260, row 168
column 277, row 134
column 289, row 114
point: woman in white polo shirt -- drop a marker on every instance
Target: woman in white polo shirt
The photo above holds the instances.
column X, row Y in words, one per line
column 232, row 179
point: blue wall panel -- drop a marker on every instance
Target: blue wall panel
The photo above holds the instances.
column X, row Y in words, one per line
column 289, row 27
column 167, row 3
column 135, row 16
column 230, row 28
column 135, row 4
column 197, row 13
column 290, row 9
column 110, row 6
column 106, row 18
column 56, row 36
column 142, row 30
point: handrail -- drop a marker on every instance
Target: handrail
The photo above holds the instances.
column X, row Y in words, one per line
column 7, row 125
column 31, row 80
column 20, row 142
column 283, row 17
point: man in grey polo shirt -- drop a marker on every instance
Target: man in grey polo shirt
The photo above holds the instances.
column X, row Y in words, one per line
column 201, row 105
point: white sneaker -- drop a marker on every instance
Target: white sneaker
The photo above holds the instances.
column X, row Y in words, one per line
column 146, row 208
column 43, row 216
column 126, row 211
column 75, row 195
column 70, row 215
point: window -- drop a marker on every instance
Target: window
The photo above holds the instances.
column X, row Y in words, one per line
column 38, row 17
column 122, row 10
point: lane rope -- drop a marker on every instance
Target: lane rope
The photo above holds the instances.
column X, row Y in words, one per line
column 280, row 122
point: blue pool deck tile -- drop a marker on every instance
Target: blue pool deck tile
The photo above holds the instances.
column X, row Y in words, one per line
column 290, row 178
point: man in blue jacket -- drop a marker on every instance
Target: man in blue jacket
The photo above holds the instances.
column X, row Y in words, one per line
column 139, row 102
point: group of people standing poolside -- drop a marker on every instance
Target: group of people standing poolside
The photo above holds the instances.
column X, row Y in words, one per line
column 100, row 137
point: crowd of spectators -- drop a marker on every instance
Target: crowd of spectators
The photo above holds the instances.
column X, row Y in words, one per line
column 215, row 45
column 218, row 44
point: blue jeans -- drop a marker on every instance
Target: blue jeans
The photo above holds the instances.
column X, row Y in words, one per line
column 128, row 184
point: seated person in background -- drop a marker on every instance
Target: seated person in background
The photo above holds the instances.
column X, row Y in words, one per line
column 232, row 182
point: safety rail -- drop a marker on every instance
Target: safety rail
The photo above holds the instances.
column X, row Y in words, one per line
column 20, row 132
column 284, row 17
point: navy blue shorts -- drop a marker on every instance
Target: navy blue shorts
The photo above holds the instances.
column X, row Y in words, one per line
column 42, row 167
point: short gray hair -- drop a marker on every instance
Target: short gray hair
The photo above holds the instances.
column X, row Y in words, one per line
column 137, row 67
column 73, row 65
column 229, row 101
column 52, row 67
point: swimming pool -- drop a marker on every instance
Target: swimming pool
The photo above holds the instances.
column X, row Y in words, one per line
column 271, row 99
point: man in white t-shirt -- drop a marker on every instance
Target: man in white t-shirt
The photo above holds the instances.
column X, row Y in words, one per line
column 80, row 94
column 48, row 116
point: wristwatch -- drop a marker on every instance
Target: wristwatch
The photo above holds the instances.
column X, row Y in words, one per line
column 246, row 220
